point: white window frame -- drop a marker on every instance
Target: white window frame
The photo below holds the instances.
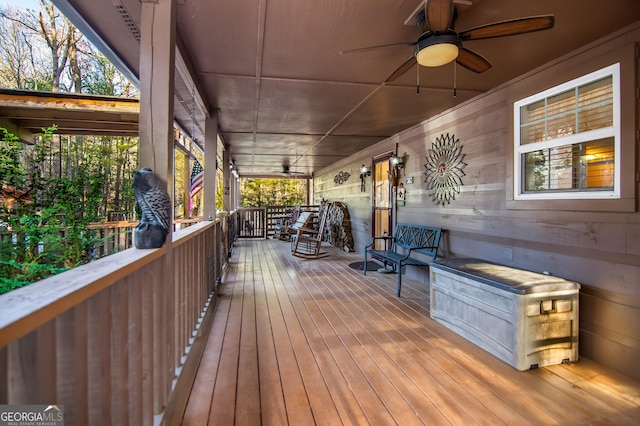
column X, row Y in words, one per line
column 614, row 131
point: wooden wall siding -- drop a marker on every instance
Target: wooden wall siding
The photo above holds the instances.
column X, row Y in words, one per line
column 109, row 340
column 594, row 243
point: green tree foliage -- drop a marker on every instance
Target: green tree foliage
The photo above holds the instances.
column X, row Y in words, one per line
column 272, row 192
column 22, row 64
column 49, row 193
column 42, row 50
column 101, row 77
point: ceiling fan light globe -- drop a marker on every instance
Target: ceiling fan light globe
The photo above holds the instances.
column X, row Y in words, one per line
column 435, row 51
column 437, row 55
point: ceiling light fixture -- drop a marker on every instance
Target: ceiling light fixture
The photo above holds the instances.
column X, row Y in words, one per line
column 437, row 50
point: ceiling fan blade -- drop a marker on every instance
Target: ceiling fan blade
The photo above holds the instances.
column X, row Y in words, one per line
column 472, row 61
column 399, row 72
column 378, row 47
column 510, row 27
column 439, row 14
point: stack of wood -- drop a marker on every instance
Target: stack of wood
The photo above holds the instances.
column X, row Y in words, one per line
column 338, row 227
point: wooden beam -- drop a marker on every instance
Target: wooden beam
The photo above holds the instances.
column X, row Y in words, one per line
column 26, row 113
column 67, row 101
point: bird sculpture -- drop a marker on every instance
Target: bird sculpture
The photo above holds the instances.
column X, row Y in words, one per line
column 155, row 204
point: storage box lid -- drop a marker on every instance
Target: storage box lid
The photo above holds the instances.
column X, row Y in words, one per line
column 506, row 278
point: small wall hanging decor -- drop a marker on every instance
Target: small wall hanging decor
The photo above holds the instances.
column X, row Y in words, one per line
column 444, row 169
column 341, row 178
column 401, row 195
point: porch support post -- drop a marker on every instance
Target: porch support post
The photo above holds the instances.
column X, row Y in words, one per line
column 210, row 160
column 157, row 69
column 227, row 180
column 236, row 193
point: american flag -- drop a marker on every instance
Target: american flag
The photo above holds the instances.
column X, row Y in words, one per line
column 197, row 179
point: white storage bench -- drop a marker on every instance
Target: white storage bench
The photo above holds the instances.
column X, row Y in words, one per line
column 526, row 319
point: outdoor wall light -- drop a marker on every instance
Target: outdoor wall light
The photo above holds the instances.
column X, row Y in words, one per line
column 396, row 161
column 364, row 172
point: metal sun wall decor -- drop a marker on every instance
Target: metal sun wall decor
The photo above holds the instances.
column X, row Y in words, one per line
column 341, row 178
column 444, row 169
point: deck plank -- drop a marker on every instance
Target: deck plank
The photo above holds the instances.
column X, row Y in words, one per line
column 346, row 404
column 451, row 353
column 366, row 396
column 402, row 397
column 223, row 404
column 248, row 387
column 199, row 404
column 272, row 402
column 408, row 360
column 321, row 403
column 300, row 342
column 285, row 329
column 454, row 397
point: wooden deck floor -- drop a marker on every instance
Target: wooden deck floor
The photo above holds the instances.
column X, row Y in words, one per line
column 305, row 342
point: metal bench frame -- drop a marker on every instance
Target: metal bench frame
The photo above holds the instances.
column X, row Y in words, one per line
column 407, row 240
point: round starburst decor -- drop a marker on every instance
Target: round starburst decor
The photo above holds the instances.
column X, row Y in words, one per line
column 444, row 169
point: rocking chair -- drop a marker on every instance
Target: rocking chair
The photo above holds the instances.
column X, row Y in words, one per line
column 308, row 241
column 284, row 224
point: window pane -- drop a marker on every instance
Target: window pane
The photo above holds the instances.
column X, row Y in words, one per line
column 571, row 167
column 562, row 168
column 595, row 117
column 532, row 112
column 549, row 169
column 561, row 103
column 599, row 164
column 596, row 92
column 532, row 133
column 595, row 101
column 561, row 125
column 535, row 170
column 180, row 187
column 381, row 181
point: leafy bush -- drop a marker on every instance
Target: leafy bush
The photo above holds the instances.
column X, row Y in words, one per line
column 44, row 218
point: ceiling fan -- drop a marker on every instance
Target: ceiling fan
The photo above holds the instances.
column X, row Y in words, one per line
column 440, row 44
column 286, row 171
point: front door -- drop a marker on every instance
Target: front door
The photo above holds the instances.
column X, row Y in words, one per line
column 382, row 204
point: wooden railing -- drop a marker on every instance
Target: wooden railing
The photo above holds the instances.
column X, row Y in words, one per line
column 252, row 223
column 107, row 237
column 116, row 341
column 261, row 222
column 229, row 221
column 111, row 237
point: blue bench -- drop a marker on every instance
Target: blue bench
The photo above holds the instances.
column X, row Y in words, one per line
column 406, row 240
